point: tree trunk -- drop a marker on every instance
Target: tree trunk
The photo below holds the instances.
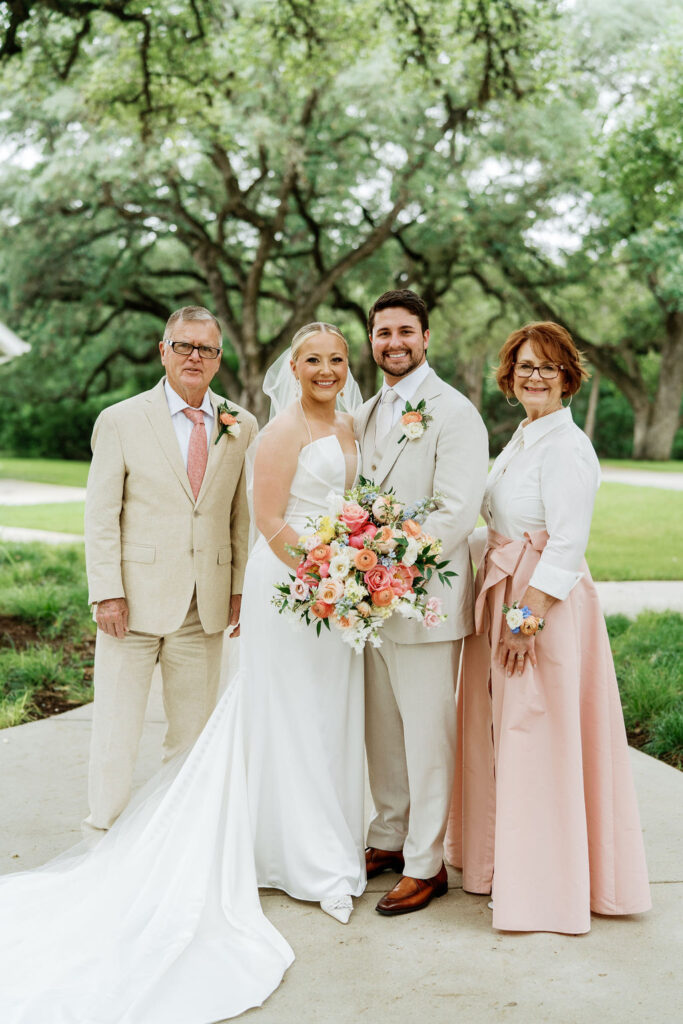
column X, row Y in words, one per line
column 656, row 426
column 473, row 373
column 591, row 413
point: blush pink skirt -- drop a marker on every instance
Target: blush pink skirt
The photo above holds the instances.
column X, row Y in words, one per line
column 544, row 811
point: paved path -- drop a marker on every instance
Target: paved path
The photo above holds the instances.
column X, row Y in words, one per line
column 25, row 492
column 444, row 965
column 643, row 478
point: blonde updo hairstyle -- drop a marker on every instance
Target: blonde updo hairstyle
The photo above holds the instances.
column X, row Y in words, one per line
column 310, row 331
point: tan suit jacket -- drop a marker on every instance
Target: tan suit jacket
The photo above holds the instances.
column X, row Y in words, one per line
column 146, row 539
column 451, row 458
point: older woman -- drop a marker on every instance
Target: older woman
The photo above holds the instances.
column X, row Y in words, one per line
column 544, row 812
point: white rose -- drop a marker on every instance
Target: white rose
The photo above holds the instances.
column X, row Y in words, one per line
column 339, row 567
column 234, row 430
column 414, row 430
column 514, row 618
column 411, row 552
column 334, row 503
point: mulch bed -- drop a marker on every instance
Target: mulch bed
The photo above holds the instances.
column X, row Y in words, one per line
column 20, row 635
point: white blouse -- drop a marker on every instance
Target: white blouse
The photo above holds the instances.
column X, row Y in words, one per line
column 546, row 478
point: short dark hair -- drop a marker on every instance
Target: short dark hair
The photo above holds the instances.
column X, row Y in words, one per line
column 406, row 299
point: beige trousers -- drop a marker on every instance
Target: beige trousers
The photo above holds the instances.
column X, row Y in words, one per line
column 410, row 742
column 190, row 661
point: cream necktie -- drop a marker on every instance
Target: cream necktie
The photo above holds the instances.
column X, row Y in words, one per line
column 385, row 415
column 197, row 453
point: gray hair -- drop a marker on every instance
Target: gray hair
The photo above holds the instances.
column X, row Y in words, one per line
column 191, row 313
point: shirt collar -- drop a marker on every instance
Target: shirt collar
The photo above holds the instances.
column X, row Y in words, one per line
column 534, row 431
column 176, row 404
column 407, row 386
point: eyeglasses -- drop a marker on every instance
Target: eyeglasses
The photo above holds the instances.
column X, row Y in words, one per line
column 186, row 348
column 546, row 371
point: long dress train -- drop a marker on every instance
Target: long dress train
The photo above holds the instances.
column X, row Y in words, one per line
column 161, row 923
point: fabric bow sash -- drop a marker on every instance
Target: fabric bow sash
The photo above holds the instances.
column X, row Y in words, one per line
column 503, row 559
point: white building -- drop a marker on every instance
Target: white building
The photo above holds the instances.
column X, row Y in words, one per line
column 11, row 345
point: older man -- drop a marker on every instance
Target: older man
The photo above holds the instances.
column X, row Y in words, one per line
column 166, row 528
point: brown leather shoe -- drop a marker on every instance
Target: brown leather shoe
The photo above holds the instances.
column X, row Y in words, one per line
column 413, row 894
column 377, row 861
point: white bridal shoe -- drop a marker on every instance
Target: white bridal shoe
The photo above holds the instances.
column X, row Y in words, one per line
column 338, row 907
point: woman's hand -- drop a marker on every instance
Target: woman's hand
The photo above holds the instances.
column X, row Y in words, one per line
column 514, row 649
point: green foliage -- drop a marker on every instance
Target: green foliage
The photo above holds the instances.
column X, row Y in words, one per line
column 647, row 661
column 626, row 520
column 44, row 588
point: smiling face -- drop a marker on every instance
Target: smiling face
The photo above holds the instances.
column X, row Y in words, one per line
column 399, row 345
column 539, row 397
column 321, row 366
column 190, row 376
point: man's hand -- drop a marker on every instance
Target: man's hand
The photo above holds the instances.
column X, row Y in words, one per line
column 235, row 608
column 112, row 617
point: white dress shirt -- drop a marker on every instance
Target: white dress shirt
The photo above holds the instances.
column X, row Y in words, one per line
column 182, row 424
column 546, row 478
column 405, row 388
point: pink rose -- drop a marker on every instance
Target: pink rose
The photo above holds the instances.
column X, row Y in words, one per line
column 298, row 589
column 431, row 620
column 399, row 586
column 378, row 578
column 357, row 540
column 407, row 573
column 324, row 570
column 353, row 516
column 434, row 605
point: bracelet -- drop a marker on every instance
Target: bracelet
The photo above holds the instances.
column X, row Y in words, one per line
column 522, row 620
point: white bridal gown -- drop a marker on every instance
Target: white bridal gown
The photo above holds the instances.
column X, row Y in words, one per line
column 161, row 922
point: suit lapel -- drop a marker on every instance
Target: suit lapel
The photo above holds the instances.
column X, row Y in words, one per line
column 159, row 417
column 391, row 447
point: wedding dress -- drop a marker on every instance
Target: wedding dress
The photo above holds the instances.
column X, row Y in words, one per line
column 161, row 922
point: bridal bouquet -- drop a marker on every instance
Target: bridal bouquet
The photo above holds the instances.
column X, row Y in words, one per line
column 366, row 559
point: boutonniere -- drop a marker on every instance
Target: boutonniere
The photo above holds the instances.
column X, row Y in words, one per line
column 414, row 421
column 229, row 424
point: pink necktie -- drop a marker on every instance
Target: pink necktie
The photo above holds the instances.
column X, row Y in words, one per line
column 197, row 453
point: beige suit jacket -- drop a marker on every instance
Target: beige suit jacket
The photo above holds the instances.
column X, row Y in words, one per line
column 146, row 539
column 451, row 458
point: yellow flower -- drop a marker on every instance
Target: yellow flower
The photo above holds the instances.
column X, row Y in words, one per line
column 325, row 530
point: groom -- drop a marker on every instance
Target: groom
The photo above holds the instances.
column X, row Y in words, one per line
column 166, row 527
column 410, row 679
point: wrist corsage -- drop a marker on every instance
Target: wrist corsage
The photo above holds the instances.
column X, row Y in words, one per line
column 522, row 620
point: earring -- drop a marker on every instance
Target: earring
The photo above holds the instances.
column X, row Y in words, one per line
column 341, row 393
column 568, row 403
column 513, row 404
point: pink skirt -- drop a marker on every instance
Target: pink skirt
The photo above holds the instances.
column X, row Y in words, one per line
column 544, row 811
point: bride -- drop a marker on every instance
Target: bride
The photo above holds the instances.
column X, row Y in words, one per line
column 161, row 923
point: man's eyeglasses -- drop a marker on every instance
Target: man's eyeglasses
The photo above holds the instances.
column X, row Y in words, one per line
column 546, row 371
column 185, row 348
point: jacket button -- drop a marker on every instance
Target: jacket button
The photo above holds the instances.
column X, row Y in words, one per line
column 373, row 467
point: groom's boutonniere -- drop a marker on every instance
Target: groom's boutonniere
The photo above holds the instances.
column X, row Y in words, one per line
column 229, row 424
column 414, row 421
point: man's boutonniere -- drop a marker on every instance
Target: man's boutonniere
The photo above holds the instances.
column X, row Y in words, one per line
column 229, row 424
column 414, row 421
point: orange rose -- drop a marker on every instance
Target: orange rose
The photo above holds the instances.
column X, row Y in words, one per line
column 384, row 539
column 321, row 553
column 529, row 625
column 322, row 610
column 411, row 417
column 363, row 609
column 365, row 559
column 226, row 419
column 382, row 598
column 412, row 528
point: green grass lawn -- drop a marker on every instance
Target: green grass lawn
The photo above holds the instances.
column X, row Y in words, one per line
column 637, row 534
column 656, row 467
column 45, row 471
column 65, row 517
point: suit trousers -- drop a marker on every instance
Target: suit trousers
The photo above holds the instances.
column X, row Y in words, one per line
column 410, row 730
column 190, row 661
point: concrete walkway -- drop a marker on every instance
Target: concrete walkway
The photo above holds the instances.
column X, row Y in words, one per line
column 442, row 965
column 26, row 492
column 643, row 478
